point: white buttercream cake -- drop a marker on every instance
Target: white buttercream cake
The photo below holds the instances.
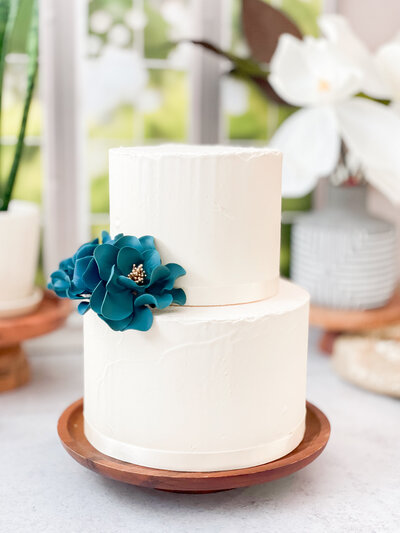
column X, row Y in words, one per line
column 219, row 383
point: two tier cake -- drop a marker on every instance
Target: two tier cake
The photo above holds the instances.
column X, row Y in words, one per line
column 218, row 383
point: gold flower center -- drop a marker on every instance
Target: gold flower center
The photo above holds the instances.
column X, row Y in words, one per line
column 137, row 274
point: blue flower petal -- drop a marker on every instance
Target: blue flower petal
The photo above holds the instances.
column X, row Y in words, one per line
column 80, row 268
column 113, row 285
column 159, row 273
column 61, row 284
column 86, row 250
column 179, row 296
column 143, row 319
column 105, row 237
column 117, row 306
column 128, row 240
column 128, row 283
column 67, row 264
column 74, row 294
column 145, row 299
column 127, row 257
column 100, row 271
column 152, row 260
column 175, row 271
column 97, row 298
column 117, row 237
column 83, row 307
column 117, row 325
column 91, row 275
column 106, row 256
column 59, row 274
column 157, row 300
column 147, row 241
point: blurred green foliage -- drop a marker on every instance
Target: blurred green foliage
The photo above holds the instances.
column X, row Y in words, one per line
column 124, row 125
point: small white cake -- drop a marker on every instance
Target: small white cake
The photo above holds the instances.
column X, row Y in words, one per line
column 219, row 383
column 216, row 210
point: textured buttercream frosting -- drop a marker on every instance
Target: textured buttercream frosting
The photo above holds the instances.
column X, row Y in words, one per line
column 207, row 388
column 214, row 210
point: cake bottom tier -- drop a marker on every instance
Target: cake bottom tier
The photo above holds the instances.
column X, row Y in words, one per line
column 206, row 389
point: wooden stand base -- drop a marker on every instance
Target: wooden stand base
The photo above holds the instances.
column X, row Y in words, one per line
column 70, row 431
column 334, row 322
column 14, row 367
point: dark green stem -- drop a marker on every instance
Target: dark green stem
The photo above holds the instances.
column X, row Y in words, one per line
column 32, row 49
column 8, row 15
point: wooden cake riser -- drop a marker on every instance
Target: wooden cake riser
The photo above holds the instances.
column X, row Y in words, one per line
column 71, row 433
column 14, row 368
column 48, row 316
column 335, row 322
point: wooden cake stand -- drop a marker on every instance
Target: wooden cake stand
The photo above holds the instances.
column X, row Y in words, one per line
column 70, row 431
column 337, row 321
column 48, row 316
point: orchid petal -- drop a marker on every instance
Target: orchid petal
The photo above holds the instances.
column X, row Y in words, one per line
column 311, row 72
column 310, row 142
column 387, row 61
column 371, row 131
column 338, row 31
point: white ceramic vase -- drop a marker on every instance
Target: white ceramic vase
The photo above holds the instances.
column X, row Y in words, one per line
column 342, row 255
column 19, row 238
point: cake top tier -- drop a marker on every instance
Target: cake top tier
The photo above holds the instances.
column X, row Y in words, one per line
column 215, row 210
column 195, row 151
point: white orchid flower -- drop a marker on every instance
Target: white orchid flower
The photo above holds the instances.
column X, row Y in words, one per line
column 381, row 70
column 387, row 62
column 315, row 75
column 338, row 31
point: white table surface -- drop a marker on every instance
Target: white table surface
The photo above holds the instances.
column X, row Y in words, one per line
column 354, row 486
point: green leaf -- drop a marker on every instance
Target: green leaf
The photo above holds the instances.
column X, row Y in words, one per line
column 8, row 15
column 32, row 51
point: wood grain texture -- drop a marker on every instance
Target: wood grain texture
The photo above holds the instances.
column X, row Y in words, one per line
column 14, row 368
column 340, row 320
column 48, row 316
column 71, row 433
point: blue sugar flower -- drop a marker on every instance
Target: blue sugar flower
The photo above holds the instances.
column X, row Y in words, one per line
column 78, row 275
column 120, row 280
column 133, row 278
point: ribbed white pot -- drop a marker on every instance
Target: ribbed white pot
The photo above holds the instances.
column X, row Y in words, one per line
column 342, row 255
column 19, row 238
